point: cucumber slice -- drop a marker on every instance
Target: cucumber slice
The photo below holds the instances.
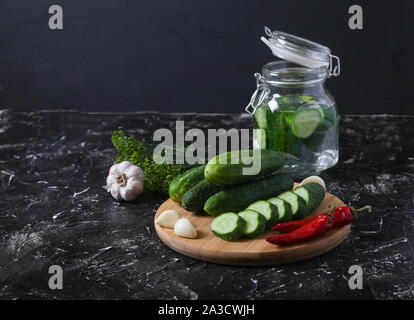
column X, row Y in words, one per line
column 284, row 209
column 313, row 193
column 305, row 195
column 267, row 210
column 329, row 119
column 255, row 223
column 299, row 207
column 304, row 122
column 228, row 226
column 293, row 102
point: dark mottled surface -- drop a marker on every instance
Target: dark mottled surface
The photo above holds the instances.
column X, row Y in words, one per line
column 53, row 210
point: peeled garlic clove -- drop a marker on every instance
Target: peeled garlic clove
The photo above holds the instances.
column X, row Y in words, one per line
column 184, row 228
column 313, row 179
column 168, row 218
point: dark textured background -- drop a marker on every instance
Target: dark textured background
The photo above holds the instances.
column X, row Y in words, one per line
column 180, row 56
column 53, row 211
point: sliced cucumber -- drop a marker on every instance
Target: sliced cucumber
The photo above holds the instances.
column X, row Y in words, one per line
column 255, row 223
column 284, row 209
column 228, row 226
column 313, row 194
column 238, row 197
column 298, row 205
column 329, row 119
column 293, row 102
column 304, row 122
column 305, row 195
column 267, row 210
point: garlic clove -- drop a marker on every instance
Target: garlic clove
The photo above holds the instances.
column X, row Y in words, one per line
column 184, row 228
column 168, row 218
column 313, row 179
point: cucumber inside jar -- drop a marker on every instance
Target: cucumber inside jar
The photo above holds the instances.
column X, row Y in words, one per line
column 296, row 125
column 304, row 122
column 329, row 120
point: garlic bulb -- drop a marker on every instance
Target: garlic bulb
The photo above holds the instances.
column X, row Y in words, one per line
column 125, row 181
column 184, row 228
column 168, row 218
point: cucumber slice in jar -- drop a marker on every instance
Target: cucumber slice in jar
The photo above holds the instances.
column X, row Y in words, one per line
column 267, row 210
column 284, row 209
column 293, row 102
column 297, row 203
column 304, row 122
column 228, row 226
column 329, row 119
column 255, row 223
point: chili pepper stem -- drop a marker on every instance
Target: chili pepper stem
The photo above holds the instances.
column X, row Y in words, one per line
column 356, row 211
column 332, row 208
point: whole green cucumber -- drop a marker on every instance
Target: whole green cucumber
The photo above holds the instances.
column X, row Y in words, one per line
column 194, row 199
column 228, row 168
column 237, row 198
column 182, row 183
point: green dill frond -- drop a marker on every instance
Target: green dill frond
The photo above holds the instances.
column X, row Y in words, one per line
column 139, row 152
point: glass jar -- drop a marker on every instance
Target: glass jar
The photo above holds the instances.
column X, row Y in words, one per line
column 292, row 110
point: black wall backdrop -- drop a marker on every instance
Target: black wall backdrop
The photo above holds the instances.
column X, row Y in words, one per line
column 194, row 56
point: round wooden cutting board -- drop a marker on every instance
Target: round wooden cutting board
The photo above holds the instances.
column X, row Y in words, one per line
column 247, row 252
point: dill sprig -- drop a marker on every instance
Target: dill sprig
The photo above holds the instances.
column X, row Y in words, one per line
column 139, row 152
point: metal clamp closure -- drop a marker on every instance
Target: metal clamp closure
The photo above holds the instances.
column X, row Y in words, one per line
column 262, row 91
column 334, row 70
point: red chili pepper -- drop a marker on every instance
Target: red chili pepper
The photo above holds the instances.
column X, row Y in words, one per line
column 318, row 226
column 291, row 225
column 342, row 216
column 345, row 215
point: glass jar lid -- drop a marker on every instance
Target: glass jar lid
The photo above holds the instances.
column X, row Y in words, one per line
column 301, row 51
